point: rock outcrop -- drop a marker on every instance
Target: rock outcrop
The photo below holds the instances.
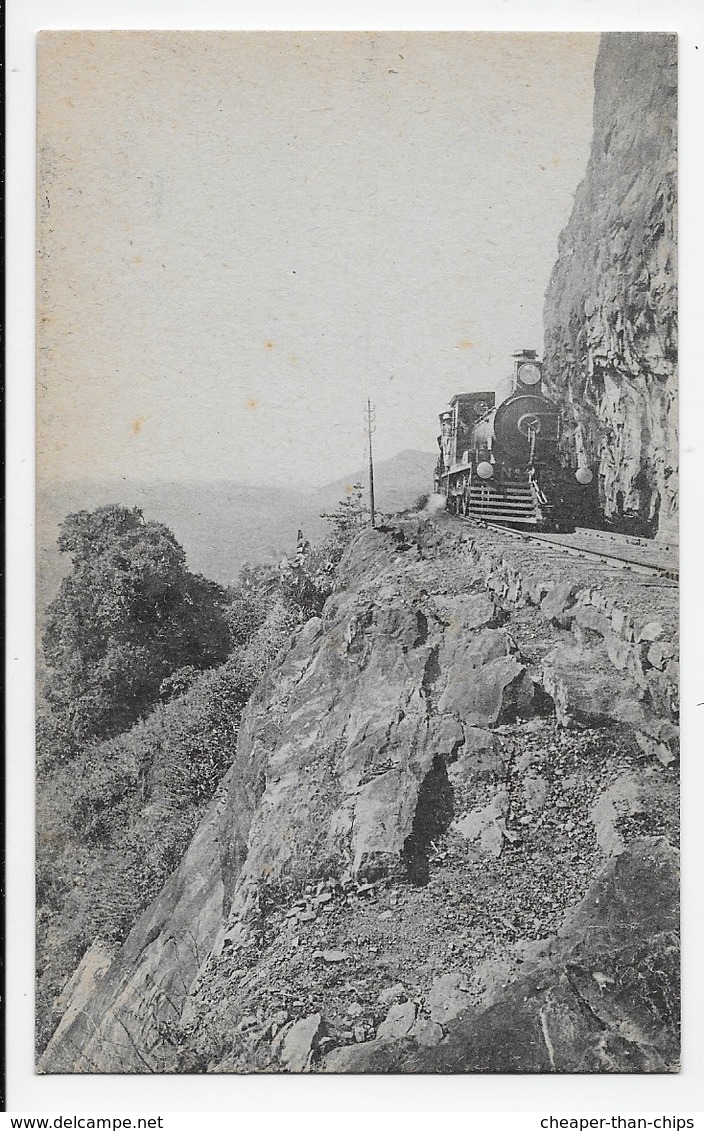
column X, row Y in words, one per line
column 405, row 811
column 602, row 1000
column 611, row 306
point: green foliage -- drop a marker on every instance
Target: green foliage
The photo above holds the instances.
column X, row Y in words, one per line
column 115, row 817
column 351, row 515
column 177, row 683
column 308, row 578
column 128, row 616
column 270, row 637
column 249, row 602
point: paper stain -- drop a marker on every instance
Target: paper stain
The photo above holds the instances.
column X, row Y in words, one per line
column 251, row 404
column 268, row 344
column 137, row 424
column 465, row 344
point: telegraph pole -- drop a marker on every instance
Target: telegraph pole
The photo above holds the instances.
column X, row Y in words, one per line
column 370, row 429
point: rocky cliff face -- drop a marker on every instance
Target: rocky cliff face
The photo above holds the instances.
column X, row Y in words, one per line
column 611, row 306
column 414, row 864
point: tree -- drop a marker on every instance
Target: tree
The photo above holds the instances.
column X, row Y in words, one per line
column 128, row 615
column 351, row 515
column 308, row 577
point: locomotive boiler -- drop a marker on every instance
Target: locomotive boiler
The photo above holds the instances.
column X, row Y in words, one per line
column 500, row 462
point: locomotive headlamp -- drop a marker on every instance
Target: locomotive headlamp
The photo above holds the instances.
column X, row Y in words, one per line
column 485, row 470
column 583, row 475
column 528, row 374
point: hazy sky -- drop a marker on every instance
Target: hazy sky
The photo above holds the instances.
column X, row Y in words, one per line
column 243, row 235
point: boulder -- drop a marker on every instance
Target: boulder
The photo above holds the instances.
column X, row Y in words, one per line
column 297, row 1045
column 621, row 622
column 556, row 604
column 334, row 956
column 367, row 1057
column 398, row 1021
column 393, row 994
column 619, row 651
column 427, row 1033
column 483, row 687
column 650, row 632
column 534, row 588
column 535, row 790
column 659, row 654
column 623, row 798
column 663, row 693
column 655, row 749
column 582, row 685
column 589, row 619
column 448, row 998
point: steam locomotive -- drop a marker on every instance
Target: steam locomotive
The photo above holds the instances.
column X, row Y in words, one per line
column 500, row 462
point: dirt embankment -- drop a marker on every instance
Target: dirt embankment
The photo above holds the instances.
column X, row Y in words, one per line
column 446, row 843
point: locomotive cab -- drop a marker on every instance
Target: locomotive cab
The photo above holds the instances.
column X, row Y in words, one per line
column 458, row 426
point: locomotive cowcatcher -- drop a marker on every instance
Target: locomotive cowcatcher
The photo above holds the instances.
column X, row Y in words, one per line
column 500, row 462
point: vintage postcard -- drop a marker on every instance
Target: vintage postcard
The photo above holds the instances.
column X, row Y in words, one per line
column 357, row 553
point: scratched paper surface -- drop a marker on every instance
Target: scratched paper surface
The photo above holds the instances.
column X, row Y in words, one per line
column 267, row 260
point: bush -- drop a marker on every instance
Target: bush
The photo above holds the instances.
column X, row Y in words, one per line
column 308, row 579
column 116, row 816
column 128, row 615
column 249, row 602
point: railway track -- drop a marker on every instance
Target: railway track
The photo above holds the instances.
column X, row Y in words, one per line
column 617, row 551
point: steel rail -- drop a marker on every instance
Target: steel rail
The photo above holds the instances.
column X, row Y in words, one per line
column 555, row 541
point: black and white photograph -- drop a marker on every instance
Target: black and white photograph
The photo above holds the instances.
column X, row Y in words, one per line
column 357, row 567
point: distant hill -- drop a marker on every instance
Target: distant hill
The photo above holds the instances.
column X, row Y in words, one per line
column 221, row 523
column 397, row 481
